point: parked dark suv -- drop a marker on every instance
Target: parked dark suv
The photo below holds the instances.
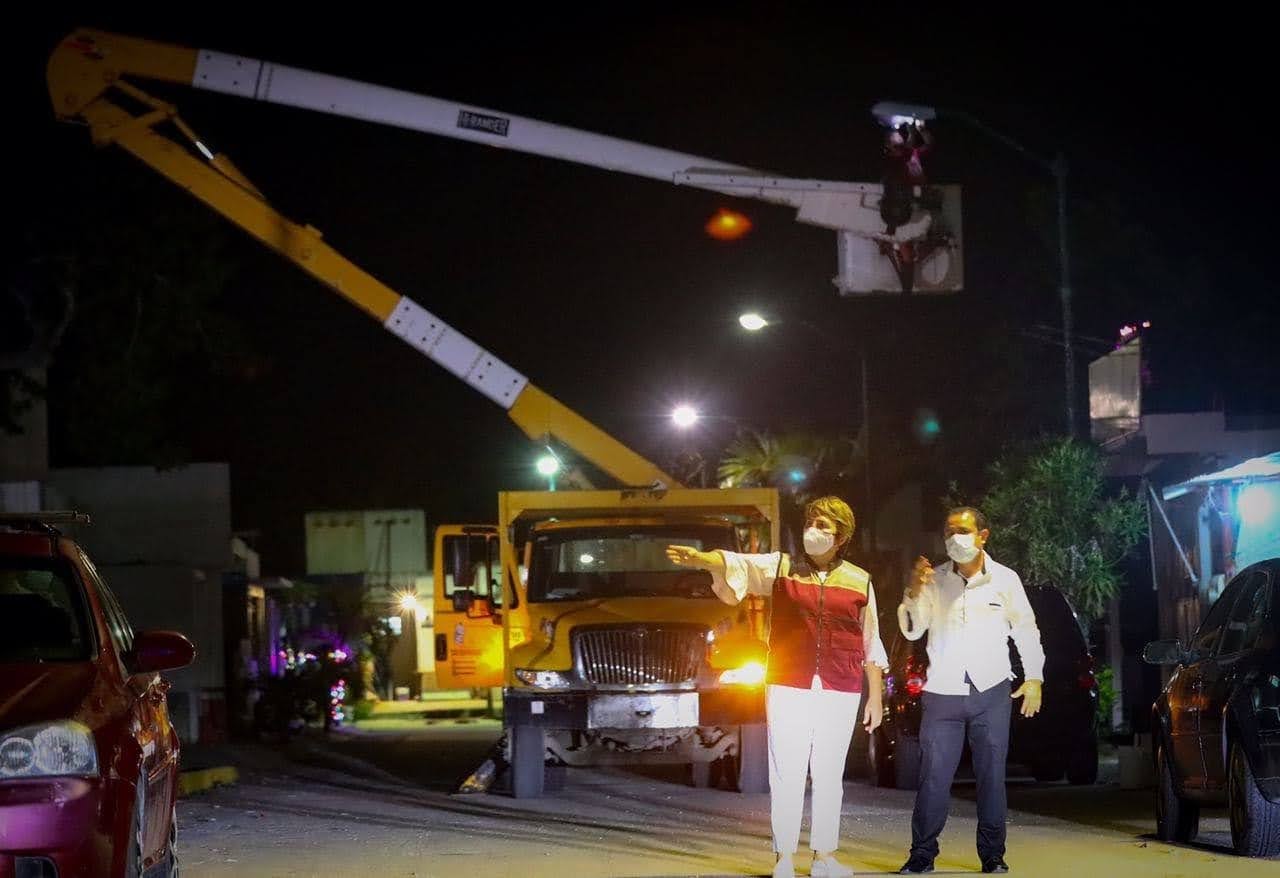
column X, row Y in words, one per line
column 1217, row 723
column 1061, row 739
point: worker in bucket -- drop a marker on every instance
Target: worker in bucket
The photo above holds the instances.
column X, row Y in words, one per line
column 823, row 633
column 905, row 146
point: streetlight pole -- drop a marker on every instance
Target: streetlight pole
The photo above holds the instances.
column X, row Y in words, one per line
column 1064, row 292
column 866, row 453
column 1057, row 167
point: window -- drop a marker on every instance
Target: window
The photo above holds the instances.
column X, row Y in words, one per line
column 1248, row 616
column 607, row 562
column 121, row 632
column 471, row 563
column 1206, row 638
column 43, row 612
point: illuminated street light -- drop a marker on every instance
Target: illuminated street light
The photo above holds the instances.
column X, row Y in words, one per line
column 684, row 416
column 409, row 602
column 752, row 322
column 548, row 466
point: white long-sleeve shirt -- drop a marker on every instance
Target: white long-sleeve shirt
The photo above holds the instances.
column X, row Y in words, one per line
column 969, row 625
column 754, row 574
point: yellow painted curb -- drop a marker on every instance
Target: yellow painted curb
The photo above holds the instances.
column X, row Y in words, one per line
column 205, row 779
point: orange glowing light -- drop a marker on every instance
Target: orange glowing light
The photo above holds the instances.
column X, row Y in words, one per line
column 728, row 225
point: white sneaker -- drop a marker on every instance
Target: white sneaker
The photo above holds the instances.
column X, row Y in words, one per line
column 784, row 868
column 829, row 867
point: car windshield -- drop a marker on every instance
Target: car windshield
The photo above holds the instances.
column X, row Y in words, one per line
column 609, row 562
column 43, row 616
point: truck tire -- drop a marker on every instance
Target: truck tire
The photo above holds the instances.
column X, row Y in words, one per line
column 1176, row 818
column 906, row 763
column 528, row 760
column 1255, row 822
column 753, row 759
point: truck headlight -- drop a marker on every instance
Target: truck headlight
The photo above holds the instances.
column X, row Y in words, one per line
column 61, row 749
column 544, row 679
column 750, row 674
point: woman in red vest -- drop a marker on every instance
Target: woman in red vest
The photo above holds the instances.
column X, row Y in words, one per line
column 823, row 633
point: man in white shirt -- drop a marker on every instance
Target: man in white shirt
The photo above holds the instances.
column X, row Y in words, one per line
column 970, row 606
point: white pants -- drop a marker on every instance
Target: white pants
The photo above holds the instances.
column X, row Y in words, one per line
column 809, row 734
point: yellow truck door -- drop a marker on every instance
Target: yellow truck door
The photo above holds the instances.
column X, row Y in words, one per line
column 468, row 607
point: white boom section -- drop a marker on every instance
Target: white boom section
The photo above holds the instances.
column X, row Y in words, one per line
column 820, row 202
column 849, row 208
column 308, row 90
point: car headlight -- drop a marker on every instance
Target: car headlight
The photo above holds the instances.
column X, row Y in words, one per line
column 750, row 674
column 62, row 749
column 544, row 679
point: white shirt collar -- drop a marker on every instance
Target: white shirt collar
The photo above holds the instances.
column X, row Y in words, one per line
column 983, row 576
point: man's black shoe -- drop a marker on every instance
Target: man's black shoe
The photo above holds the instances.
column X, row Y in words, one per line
column 995, row 864
column 916, row 866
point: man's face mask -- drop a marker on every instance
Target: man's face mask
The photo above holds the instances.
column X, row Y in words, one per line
column 962, row 548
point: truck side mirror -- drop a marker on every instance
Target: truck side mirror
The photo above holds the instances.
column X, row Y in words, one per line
column 463, row 599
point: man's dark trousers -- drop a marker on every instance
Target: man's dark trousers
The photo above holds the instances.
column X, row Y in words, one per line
column 984, row 717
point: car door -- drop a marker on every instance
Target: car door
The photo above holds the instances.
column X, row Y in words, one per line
column 147, row 702
column 1186, row 694
column 1235, row 661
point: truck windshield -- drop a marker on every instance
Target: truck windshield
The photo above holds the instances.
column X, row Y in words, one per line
column 577, row 564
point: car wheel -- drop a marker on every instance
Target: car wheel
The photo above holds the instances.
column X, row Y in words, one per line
column 134, row 856
column 906, row 763
column 171, row 846
column 1176, row 818
column 1048, row 768
column 879, row 767
column 1255, row 822
column 752, row 763
column 1082, row 765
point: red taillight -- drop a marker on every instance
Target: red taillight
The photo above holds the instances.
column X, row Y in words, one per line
column 915, row 675
column 1085, row 679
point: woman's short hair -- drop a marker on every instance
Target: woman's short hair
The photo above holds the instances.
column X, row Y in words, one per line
column 835, row 509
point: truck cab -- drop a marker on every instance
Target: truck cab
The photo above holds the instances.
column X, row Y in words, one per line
column 609, row 653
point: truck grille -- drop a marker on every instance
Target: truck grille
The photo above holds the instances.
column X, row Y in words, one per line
column 638, row 655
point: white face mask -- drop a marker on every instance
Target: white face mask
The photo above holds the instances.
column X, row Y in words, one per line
column 961, row 548
column 818, row 542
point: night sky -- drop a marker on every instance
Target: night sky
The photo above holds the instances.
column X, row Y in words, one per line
column 604, row 289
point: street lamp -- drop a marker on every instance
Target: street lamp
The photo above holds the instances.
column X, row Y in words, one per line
column 754, row 322
column 548, row 465
column 684, row 416
column 1057, row 167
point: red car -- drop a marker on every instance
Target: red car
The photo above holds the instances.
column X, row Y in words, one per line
column 88, row 757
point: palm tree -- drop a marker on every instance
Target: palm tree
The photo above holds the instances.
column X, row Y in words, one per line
column 801, row 465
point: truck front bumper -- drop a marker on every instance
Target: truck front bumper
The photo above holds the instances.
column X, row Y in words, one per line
column 729, row 706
